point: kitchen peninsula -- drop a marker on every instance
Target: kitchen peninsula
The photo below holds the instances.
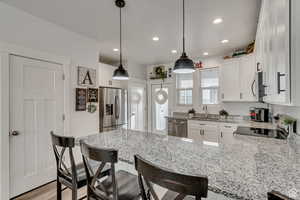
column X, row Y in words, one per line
column 247, row 168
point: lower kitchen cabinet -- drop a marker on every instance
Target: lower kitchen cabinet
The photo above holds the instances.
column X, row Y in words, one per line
column 203, row 131
column 226, row 132
column 211, row 131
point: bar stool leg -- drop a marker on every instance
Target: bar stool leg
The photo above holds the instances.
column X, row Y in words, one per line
column 74, row 194
column 58, row 190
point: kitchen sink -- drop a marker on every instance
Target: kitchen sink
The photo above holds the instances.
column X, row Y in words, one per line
column 210, row 119
column 205, row 119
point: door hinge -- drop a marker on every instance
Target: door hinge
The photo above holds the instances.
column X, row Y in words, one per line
column 63, row 117
column 63, row 77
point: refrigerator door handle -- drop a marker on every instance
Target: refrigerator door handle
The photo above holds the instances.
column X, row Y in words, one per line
column 117, row 106
column 252, row 87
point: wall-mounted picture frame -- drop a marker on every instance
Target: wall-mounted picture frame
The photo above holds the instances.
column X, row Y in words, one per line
column 81, row 99
column 87, row 77
column 93, row 95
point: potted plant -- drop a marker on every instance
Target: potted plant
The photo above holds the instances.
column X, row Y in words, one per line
column 289, row 123
column 223, row 114
column 191, row 113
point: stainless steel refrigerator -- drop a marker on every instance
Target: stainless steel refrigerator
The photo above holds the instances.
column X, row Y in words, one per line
column 112, row 108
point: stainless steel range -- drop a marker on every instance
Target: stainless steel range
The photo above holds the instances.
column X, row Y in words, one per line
column 258, row 132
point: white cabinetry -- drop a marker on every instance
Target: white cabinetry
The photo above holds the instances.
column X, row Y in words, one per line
column 237, row 79
column 226, row 131
column 230, row 81
column 274, row 53
column 211, row 131
column 203, row 131
column 247, row 72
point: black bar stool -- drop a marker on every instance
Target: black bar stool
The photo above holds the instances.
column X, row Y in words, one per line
column 179, row 185
column 72, row 177
column 119, row 185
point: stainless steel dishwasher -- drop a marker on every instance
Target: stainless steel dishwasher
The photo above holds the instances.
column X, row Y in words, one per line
column 177, row 127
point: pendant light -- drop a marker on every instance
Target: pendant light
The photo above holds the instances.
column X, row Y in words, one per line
column 120, row 73
column 184, row 65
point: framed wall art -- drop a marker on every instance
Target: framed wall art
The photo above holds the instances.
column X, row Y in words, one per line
column 87, row 77
column 93, row 95
column 81, row 99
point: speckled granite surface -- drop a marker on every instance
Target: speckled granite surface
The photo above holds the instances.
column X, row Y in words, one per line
column 247, row 168
column 231, row 120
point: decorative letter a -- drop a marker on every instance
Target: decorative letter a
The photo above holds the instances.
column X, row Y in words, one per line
column 87, row 78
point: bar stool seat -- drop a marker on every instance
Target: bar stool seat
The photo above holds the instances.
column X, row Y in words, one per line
column 127, row 186
column 81, row 175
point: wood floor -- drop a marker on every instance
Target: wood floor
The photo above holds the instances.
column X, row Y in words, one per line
column 48, row 192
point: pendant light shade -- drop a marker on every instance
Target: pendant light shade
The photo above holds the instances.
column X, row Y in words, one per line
column 184, row 65
column 120, row 73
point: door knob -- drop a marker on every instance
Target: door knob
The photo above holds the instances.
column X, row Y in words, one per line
column 14, row 133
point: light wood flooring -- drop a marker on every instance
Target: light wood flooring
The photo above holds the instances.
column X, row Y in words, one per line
column 48, row 192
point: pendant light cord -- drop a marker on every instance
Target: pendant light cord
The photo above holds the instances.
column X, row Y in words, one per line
column 183, row 23
column 120, row 36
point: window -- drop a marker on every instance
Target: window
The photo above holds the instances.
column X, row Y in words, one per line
column 184, row 89
column 209, row 86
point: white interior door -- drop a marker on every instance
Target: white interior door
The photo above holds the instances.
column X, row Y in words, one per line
column 160, row 107
column 137, row 106
column 36, row 108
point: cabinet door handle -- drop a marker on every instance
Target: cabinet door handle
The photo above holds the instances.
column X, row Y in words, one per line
column 279, row 75
column 223, row 96
column 241, row 95
column 221, row 134
column 228, row 126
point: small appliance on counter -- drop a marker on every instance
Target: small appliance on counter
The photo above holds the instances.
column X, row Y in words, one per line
column 259, row 114
column 258, row 132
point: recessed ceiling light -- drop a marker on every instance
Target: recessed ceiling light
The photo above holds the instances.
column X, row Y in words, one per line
column 218, row 21
column 116, row 49
column 205, row 53
column 155, row 38
column 174, row 51
column 225, row 41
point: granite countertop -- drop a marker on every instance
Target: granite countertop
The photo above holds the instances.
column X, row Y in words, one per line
column 247, row 168
column 232, row 120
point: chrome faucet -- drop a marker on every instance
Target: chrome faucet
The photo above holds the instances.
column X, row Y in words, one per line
column 206, row 111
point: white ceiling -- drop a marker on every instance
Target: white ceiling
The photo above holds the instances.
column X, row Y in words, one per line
column 143, row 19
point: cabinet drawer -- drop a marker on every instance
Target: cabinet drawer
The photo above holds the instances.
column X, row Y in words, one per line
column 203, row 125
column 228, row 127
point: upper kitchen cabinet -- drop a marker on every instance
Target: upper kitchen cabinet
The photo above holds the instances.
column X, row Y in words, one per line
column 295, row 52
column 276, row 50
column 229, row 79
column 238, row 79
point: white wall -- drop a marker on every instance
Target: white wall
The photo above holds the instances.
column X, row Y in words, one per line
column 136, row 71
column 3, row 126
column 20, row 28
column 24, row 30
